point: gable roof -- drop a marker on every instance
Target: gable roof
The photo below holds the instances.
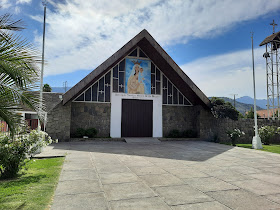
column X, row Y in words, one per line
column 272, row 37
column 157, row 54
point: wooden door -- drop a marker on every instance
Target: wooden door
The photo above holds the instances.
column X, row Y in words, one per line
column 137, row 118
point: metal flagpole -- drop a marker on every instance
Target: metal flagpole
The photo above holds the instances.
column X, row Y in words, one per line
column 44, row 2
column 256, row 142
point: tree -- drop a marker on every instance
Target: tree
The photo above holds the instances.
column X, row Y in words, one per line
column 250, row 114
column 18, row 72
column 47, row 88
column 222, row 109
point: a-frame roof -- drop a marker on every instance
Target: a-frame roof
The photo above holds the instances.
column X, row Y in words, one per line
column 157, row 54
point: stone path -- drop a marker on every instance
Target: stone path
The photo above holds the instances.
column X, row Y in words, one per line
column 170, row 175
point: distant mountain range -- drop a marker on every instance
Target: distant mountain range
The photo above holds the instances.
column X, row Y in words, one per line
column 248, row 100
column 241, row 107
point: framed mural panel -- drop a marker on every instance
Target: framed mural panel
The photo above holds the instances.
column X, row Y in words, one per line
column 137, row 76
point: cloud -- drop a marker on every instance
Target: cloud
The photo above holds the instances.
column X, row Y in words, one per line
column 232, row 73
column 5, row 4
column 82, row 34
column 24, row 1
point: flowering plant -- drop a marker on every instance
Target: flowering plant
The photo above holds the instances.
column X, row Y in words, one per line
column 267, row 132
column 234, row 135
column 14, row 152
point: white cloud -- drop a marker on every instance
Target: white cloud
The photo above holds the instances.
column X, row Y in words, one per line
column 82, row 34
column 222, row 75
column 5, row 4
column 24, row 1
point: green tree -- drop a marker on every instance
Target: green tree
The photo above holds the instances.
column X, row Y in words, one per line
column 47, row 88
column 250, row 114
column 18, row 72
column 222, row 109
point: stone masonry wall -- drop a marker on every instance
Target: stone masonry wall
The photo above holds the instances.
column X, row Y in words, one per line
column 91, row 115
column 210, row 126
column 180, row 118
column 58, row 124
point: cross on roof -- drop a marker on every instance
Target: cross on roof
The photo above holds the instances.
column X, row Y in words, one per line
column 121, row 85
column 101, row 91
column 273, row 24
column 107, row 84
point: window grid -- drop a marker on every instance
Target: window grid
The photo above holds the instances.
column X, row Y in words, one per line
column 82, row 96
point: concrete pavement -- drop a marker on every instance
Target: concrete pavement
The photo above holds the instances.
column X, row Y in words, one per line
column 170, row 175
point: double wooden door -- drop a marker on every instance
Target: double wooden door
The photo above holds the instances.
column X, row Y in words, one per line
column 137, row 118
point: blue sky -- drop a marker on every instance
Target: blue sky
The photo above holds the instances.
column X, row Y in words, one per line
column 210, row 40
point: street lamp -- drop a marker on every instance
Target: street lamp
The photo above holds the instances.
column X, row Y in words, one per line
column 256, row 142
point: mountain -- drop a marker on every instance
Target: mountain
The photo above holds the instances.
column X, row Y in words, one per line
column 248, row 100
column 241, row 107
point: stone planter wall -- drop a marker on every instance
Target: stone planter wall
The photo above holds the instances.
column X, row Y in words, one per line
column 210, row 126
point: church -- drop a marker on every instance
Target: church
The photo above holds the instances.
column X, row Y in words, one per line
column 137, row 92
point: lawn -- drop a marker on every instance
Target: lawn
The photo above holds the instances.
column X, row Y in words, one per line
column 275, row 148
column 34, row 188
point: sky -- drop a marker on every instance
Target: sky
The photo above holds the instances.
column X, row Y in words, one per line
column 210, row 40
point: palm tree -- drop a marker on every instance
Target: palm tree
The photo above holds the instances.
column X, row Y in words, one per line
column 18, row 72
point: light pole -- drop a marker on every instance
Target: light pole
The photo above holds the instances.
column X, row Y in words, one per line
column 44, row 2
column 256, row 142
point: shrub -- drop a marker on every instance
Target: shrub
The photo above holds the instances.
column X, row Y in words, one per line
column 80, row 132
column 189, row 134
column 185, row 134
column 267, row 132
column 222, row 109
column 14, row 152
column 91, row 132
column 234, row 135
column 216, row 138
column 174, row 134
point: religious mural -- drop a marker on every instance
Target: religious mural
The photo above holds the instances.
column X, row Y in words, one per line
column 138, row 76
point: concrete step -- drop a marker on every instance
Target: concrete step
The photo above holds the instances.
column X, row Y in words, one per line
column 142, row 140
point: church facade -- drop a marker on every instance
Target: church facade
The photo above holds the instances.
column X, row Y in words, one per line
column 137, row 92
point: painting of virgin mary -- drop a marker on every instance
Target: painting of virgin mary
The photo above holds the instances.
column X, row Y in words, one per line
column 138, row 76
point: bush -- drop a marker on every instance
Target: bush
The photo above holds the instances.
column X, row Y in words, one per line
column 215, row 138
column 185, row 134
column 189, row 134
column 91, row 132
column 267, row 132
column 174, row 134
column 80, row 132
column 234, row 135
column 14, row 152
column 222, row 109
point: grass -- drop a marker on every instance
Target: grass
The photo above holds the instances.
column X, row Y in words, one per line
column 34, row 188
column 275, row 148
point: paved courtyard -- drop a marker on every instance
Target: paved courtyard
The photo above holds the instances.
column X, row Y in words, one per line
column 169, row 175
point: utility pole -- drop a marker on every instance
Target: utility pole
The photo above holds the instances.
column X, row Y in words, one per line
column 65, row 86
column 256, row 142
column 234, row 98
column 44, row 2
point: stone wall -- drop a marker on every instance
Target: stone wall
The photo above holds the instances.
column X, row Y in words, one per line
column 180, row 118
column 58, row 124
column 210, row 126
column 91, row 115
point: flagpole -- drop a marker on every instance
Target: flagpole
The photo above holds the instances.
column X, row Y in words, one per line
column 44, row 2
